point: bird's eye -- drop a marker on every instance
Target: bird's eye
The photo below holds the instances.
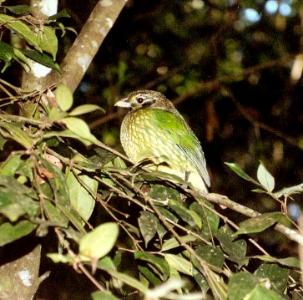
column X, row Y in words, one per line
column 140, row 100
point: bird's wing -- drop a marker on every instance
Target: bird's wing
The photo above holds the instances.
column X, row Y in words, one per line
column 173, row 124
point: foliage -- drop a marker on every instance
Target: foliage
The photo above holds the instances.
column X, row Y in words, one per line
column 132, row 233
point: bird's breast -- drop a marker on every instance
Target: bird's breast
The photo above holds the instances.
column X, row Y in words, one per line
column 136, row 135
column 142, row 137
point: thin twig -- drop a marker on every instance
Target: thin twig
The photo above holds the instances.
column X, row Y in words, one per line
column 213, row 279
column 235, row 226
column 134, row 240
column 65, row 244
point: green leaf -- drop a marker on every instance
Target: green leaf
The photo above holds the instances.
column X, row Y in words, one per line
column 210, row 220
column 163, row 193
column 211, row 254
column 179, row 263
column 277, row 275
column 236, row 169
column 60, row 192
column 57, row 182
column 149, row 275
column 265, row 178
column 158, row 262
column 82, row 193
column 119, row 163
column 54, row 214
column 292, row 262
column 235, row 249
column 13, row 207
column 41, row 39
column 99, row 241
column 173, row 243
column 19, row 9
column 259, row 223
column 48, row 41
column 10, row 165
column 56, row 114
column 296, row 189
column 183, row 212
column 16, row 199
column 10, row 233
column 64, row 97
column 103, row 295
column 260, row 292
column 84, row 109
column 21, row 59
column 259, row 191
column 2, row 142
column 106, row 263
column 60, row 258
column 79, row 128
column 128, row 280
column 201, row 281
column 20, row 28
column 41, row 58
column 240, row 285
column 196, row 217
column 15, row 133
column 67, row 134
column 6, row 54
column 148, row 225
column 167, row 214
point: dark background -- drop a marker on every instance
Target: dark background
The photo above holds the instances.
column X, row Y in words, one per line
column 228, row 64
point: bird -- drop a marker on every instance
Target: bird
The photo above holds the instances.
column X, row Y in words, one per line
column 153, row 130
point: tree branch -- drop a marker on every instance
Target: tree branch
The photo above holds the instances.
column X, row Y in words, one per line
column 246, row 211
column 86, row 45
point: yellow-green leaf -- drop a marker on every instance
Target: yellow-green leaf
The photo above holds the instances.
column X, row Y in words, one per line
column 21, row 28
column 64, row 97
column 79, row 128
column 17, row 134
column 259, row 223
column 82, row 192
column 99, row 241
column 48, row 41
column 179, row 263
column 10, row 233
column 265, row 178
column 236, row 169
column 84, row 109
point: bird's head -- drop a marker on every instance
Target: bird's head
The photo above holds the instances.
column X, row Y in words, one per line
column 145, row 98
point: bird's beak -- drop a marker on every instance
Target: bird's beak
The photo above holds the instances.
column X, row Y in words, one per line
column 123, row 103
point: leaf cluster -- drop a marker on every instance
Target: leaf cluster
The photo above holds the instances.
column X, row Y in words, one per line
column 174, row 240
column 132, row 233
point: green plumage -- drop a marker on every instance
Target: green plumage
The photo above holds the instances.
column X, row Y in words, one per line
column 155, row 130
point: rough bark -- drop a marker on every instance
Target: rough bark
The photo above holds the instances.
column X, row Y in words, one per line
column 86, row 45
